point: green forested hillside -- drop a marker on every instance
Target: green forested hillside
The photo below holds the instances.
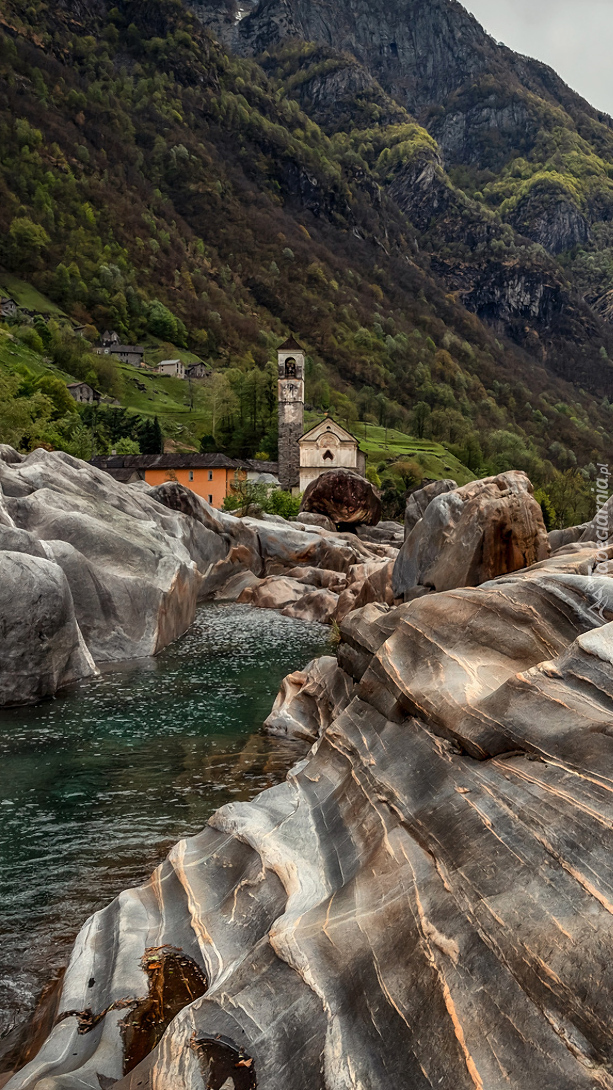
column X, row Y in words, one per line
column 152, row 183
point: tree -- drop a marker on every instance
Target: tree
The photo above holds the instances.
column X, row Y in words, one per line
column 421, row 416
column 151, row 438
column 27, row 242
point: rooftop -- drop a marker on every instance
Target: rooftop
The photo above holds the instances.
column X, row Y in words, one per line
column 114, row 462
column 290, row 345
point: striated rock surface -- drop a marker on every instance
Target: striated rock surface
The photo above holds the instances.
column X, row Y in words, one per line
column 345, row 497
column 426, row 902
column 470, row 535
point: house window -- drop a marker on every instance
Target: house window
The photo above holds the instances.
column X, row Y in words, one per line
column 210, row 474
column 191, row 474
column 328, row 456
column 211, row 500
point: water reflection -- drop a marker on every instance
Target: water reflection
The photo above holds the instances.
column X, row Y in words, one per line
column 97, row 784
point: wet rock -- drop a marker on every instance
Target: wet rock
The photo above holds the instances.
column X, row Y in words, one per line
column 473, row 534
column 41, row 646
column 345, row 497
column 318, row 605
column 309, row 700
column 420, row 500
column 236, row 585
column 275, row 592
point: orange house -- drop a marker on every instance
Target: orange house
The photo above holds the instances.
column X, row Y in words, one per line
column 210, row 476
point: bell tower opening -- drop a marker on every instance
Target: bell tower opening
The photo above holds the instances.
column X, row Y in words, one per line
column 290, row 368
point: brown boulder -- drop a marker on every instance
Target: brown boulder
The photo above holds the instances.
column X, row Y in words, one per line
column 345, row 497
column 476, row 533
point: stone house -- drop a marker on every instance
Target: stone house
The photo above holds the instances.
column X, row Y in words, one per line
column 127, row 353
column 198, row 370
column 8, row 307
column 176, row 368
column 328, row 446
column 83, row 392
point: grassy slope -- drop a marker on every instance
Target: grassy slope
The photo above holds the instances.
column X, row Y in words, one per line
column 25, row 295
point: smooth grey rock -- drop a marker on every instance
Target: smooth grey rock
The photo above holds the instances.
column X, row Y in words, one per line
column 311, row 518
column 419, row 501
column 472, row 534
column 41, row 647
column 317, row 605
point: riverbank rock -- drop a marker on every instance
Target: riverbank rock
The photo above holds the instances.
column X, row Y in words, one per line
column 424, row 902
column 472, row 534
column 345, row 497
column 309, row 700
column 420, row 500
column 41, row 647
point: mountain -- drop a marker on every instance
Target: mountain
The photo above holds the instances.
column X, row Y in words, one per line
column 383, row 180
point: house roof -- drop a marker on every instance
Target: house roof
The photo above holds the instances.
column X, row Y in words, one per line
column 114, row 462
column 126, row 348
column 290, row 345
column 163, row 362
column 73, row 385
column 7, row 299
column 335, row 427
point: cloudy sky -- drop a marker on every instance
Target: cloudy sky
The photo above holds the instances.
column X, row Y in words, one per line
column 574, row 36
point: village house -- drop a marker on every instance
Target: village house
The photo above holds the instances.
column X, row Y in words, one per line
column 83, row 392
column 175, row 368
column 127, row 353
column 198, row 370
column 328, row 446
column 8, row 307
column 210, row 476
column 109, row 337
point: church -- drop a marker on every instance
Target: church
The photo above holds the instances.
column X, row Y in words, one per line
column 327, row 446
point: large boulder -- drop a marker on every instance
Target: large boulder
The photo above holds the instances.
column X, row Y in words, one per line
column 420, row 500
column 475, row 533
column 41, row 647
column 345, row 497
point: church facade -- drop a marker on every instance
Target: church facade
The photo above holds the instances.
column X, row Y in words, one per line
column 327, row 446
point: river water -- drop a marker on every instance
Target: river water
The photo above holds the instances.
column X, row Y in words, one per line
column 97, row 784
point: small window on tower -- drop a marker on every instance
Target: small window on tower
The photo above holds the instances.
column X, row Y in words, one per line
column 191, row 474
column 290, row 368
column 210, row 474
column 211, row 500
column 328, row 456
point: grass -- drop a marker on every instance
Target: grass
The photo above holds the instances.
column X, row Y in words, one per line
column 28, row 297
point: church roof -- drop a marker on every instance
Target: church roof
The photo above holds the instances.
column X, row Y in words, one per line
column 335, row 427
column 290, row 345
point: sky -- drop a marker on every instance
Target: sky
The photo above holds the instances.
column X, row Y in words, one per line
column 573, row 36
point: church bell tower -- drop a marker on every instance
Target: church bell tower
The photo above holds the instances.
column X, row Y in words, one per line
column 291, row 412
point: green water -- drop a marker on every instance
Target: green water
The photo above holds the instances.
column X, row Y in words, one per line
column 97, row 784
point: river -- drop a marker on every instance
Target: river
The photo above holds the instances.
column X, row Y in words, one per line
column 98, row 783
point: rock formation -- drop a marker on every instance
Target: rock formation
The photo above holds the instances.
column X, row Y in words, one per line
column 345, row 497
column 104, row 571
column 426, row 901
column 472, row 534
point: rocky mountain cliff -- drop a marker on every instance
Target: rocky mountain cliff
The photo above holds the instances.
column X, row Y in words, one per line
column 531, row 154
